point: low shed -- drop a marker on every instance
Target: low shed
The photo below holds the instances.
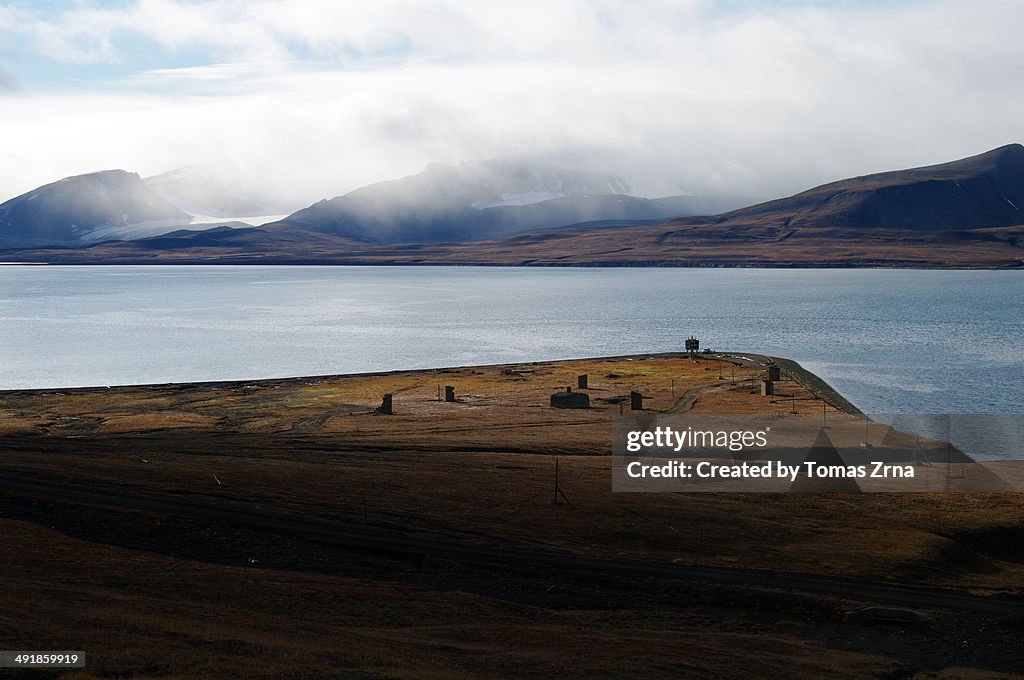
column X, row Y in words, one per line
column 570, row 399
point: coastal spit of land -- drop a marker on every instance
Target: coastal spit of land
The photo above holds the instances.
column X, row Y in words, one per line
column 290, row 529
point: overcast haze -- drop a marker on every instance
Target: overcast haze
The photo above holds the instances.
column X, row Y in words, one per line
column 313, row 99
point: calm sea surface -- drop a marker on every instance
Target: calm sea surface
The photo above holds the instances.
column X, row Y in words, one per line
column 890, row 341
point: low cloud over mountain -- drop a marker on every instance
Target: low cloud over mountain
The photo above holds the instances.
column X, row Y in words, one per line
column 487, row 199
column 204, row 190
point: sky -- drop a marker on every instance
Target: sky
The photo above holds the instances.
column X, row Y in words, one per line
column 310, row 99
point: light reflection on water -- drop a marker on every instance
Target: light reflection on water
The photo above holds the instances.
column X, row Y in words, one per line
column 890, row 341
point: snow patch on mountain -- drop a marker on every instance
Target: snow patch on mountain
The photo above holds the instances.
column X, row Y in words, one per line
column 128, row 232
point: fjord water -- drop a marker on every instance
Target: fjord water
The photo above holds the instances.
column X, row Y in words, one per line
column 892, row 341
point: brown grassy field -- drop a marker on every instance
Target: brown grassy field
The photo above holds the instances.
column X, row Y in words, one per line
column 148, row 591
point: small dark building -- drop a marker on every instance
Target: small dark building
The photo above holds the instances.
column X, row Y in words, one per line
column 449, row 393
column 636, row 401
column 582, row 381
column 774, row 373
column 570, row 399
column 692, row 344
column 385, row 406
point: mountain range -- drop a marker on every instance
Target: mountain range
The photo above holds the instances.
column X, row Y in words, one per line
column 959, row 214
column 488, row 199
column 470, row 201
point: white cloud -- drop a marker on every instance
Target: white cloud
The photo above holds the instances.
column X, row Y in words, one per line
column 8, row 81
column 315, row 98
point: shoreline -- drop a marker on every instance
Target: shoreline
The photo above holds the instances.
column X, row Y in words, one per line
column 810, row 381
column 906, row 265
column 815, row 384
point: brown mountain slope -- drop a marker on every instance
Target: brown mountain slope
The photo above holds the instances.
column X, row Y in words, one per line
column 979, row 191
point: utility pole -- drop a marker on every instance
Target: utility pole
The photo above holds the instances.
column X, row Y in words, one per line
column 558, row 490
column 556, row 481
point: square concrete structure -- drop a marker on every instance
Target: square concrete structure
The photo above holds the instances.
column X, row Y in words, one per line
column 570, row 399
